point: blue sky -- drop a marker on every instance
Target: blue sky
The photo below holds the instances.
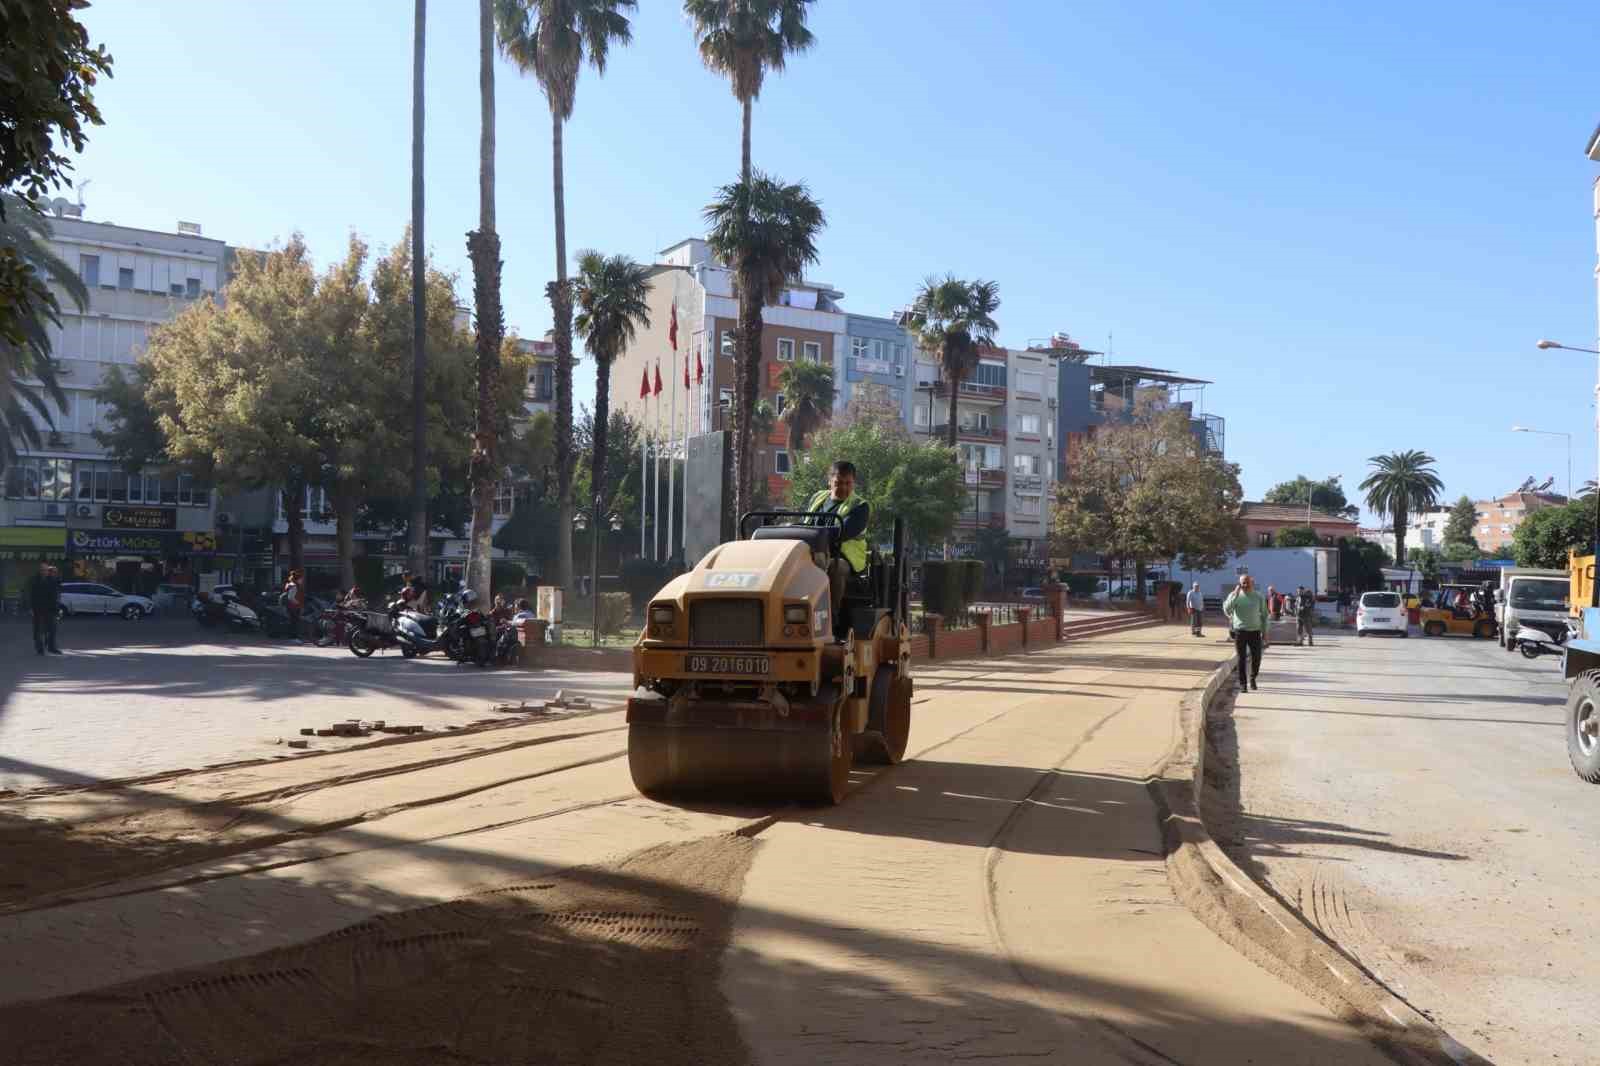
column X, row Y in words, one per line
column 1355, row 221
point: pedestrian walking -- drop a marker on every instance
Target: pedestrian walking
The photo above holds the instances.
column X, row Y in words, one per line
column 1174, row 600
column 293, row 600
column 1197, row 609
column 44, row 599
column 1306, row 615
column 1274, row 603
column 1247, row 619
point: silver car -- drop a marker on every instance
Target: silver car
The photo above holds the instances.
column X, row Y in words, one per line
column 84, row 597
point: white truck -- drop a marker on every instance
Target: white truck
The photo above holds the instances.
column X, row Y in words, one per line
column 1535, row 598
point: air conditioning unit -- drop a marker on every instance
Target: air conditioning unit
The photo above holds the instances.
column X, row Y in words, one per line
column 224, row 518
column 899, row 371
column 84, row 510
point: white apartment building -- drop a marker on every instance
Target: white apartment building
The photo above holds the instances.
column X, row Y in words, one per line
column 65, row 499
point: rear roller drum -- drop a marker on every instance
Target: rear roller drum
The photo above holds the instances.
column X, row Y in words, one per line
column 883, row 743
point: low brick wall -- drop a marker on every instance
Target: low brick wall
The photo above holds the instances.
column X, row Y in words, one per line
column 1043, row 631
column 1005, row 639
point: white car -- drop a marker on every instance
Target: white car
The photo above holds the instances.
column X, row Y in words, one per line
column 1380, row 612
column 83, row 597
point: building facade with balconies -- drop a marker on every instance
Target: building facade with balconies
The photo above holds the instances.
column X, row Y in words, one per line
column 66, row 498
column 1030, row 446
column 1090, row 396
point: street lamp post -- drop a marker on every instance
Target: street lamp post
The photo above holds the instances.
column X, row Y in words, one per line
column 1554, row 433
column 1594, row 600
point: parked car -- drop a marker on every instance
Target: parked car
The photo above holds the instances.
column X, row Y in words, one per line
column 83, row 597
column 1380, row 612
column 1033, row 594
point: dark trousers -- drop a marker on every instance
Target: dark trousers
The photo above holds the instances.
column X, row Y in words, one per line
column 1247, row 644
column 1305, row 622
column 1196, row 621
column 44, row 631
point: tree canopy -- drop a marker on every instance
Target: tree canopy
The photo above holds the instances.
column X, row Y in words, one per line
column 1401, row 484
column 1296, row 537
column 30, row 309
column 1546, row 536
column 1146, row 490
column 899, row 476
column 1327, row 495
column 1463, row 519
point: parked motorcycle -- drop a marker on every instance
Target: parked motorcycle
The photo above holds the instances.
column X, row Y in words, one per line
column 215, row 608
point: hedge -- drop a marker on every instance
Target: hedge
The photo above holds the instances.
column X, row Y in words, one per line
column 971, row 581
column 943, row 587
column 615, row 610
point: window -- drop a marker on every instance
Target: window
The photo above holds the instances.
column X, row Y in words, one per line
column 177, row 290
column 1031, row 382
column 1025, row 464
column 136, row 488
column 125, row 278
column 858, row 347
column 185, row 490
column 724, row 397
column 780, row 461
column 1028, row 424
column 1263, row 540
column 89, row 269
column 880, row 350
column 1030, row 505
column 782, row 403
column 920, row 417
column 899, row 355
column 169, row 489
column 504, row 499
column 785, row 349
column 990, row 374
column 192, row 288
column 811, row 351
column 727, row 342
column 1050, row 469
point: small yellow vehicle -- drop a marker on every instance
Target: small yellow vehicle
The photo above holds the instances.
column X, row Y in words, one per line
column 1456, row 613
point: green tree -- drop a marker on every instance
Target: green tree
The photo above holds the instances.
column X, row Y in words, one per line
column 1327, row 495
column 553, row 39
column 918, row 481
column 1463, row 518
column 613, row 302
column 1361, row 563
column 483, row 248
column 1426, row 562
column 30, row 309
column 1546, row 536
column 954, row 320
column 1454, row 551
column 767, row 233
column 995, row 548
column 742, row 40
column 807, row 390
column 1296, row 537
column 1146, row 490
column 1401, row 484
column 48, row 70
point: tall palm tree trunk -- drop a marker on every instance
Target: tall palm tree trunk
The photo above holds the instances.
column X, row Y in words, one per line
column 602, row 414
column 1400, row 517
column 419, row 308
column 744, row 157
column 749, row 386
column 955, row 408
column 483, row 247
column 561, row 309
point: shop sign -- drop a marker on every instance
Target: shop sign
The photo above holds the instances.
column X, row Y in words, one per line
column 108, row 542
column 139, row 518
column 30, row 544
column 199, row 543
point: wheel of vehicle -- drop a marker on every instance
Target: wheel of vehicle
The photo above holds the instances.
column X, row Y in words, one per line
column 1508, row 642
column 361, row 643
column 62, row 612
column 1361, row 632
column 1404, row 633
column 1530, row 652
column 407, row 651
column 482, row 651
column 132, row 612
column 1434, row 629
column 1483, row 630
column 1583, row 726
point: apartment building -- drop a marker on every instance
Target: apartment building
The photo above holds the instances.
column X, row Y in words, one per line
column 805, row 323
column 876, row 377
column 66, row 501
column 1030, row 444
column 541, row 391
column 1093, row 395
column 1499, row 518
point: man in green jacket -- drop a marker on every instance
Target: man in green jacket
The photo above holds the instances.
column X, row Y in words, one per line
column 1246, row 610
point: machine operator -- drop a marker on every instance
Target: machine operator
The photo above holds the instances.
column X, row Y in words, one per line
column 840, row 498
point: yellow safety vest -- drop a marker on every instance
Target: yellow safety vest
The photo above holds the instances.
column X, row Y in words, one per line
column 854, row 550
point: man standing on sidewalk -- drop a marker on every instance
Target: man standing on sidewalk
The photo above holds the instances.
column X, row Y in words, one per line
column 1246, row 610
column 1197, row 610
column 44, row 598
column 1306, row 614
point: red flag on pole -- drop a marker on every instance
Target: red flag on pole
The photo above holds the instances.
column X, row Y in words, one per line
column 644, row 384
column 672, row 330
column 658, row 377
column 686, row 371
column 699, row 368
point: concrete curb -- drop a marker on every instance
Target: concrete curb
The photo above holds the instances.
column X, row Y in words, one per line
column 1255, row 923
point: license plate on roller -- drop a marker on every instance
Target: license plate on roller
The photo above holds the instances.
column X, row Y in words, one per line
column 477, row 631
column 760, row 665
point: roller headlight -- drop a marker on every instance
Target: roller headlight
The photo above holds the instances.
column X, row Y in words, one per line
column 662, row 614
column 796, row 613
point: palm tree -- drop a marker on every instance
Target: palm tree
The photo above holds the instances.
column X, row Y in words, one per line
column 419, row 306
column 954, row 320
column 552, row 39
column 483, row 248
column 742, row 40
column 613, row 295
column 766, row 232
column 1401, row 484
column 28, row 263
column 807, row 390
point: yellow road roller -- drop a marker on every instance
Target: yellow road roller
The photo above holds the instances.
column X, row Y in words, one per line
column 755, row 689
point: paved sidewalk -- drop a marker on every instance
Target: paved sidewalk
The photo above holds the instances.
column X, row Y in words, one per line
column 133, row 699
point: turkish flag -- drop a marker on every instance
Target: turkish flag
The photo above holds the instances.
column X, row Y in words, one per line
column 658, row 377
column 644, row 384
column 672, row 330
column 699, row 368
column 686, row 372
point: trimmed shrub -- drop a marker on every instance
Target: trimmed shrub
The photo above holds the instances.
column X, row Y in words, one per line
column 615, row 610
column 943, row 587
column 971, row 581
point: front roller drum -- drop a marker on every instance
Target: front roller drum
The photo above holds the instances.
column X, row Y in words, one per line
column 883, row 742
column 806, row 765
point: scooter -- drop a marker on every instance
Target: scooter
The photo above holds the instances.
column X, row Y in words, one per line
column 1536, row 642
column 209, row 610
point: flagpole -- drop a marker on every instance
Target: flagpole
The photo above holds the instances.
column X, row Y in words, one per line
column 644, row 470
column 672, row 460
column 658, row 464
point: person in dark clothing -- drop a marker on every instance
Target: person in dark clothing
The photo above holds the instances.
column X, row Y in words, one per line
column 840, row 498
column 1306, row 615
column 44, row 598
column 1174, row 600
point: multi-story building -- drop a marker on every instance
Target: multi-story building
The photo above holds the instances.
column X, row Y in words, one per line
column 1030, row 444
column 1499, row 518
column 1093, row 395
column 804, row 324
column 66, row 499
column 541, row 391
column 876, row 375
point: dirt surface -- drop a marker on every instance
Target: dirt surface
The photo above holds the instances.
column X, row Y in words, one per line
column 507, row 897
column 1412, row 801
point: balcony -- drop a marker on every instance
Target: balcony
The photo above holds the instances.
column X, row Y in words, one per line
column 1026, row 482
column 984, row 434
column 981, row 520
column 970, row 390
column 995, row 477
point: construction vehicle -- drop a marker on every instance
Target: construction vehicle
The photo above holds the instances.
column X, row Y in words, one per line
column 754, row 689
column 1581, row 666
column 1458, row 610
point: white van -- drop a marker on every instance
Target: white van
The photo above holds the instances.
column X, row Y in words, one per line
column 1380, row 612
column 1535, row 598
